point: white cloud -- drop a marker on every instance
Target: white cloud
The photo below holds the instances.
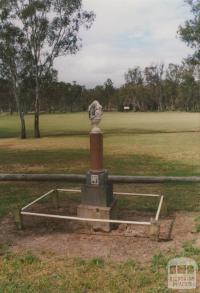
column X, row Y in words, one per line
column 126, row 33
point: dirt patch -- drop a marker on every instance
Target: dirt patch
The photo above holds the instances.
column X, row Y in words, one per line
column 75, row 240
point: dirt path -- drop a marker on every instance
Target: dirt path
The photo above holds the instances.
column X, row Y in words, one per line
column 124, row 243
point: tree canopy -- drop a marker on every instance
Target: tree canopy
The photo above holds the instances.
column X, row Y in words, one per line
column 190, row 31
column 46, row 29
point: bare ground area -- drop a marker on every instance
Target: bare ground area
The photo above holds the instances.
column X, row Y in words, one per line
column 72, row 239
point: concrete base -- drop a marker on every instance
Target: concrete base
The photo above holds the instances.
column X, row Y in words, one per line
column 96, row 212
column 97, row 191
column 101, row 196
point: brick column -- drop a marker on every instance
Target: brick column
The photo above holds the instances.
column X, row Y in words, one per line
column 96, row 151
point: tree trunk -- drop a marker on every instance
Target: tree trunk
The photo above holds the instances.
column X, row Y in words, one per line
column 23, row 126
column 36, row 120
column 11, row 109
column 20, row 111
column 160, row 105
column 37, row 112
column 22, row 120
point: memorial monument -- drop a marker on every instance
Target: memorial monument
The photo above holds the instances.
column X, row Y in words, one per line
column 97, row 199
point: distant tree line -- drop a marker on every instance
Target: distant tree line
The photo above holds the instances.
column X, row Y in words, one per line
column 154, row 88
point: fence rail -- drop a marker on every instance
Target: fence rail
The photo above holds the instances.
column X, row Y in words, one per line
column 113, row 178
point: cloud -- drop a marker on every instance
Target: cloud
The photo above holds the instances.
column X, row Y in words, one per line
column 126, row 33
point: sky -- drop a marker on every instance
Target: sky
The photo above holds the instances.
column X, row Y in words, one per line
column 125, row 34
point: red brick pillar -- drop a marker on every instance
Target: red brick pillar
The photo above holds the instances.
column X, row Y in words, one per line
column 96, row 151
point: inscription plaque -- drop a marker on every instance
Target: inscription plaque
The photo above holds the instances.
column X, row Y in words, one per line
column 94, row 179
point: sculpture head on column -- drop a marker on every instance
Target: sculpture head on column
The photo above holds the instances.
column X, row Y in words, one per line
column 95, row 116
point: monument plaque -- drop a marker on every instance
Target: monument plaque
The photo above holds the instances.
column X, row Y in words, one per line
column 97, row 199
column 95, row 179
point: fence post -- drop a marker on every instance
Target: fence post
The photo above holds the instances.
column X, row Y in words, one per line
column 154, row 230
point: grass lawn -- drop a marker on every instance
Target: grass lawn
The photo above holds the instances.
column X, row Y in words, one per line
column 77, row 123
column 28, row 273
column 134, row 144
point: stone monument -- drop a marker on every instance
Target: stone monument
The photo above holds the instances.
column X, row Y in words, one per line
column 97, row 199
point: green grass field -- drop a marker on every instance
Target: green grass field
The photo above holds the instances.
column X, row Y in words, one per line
column 113, row 123
column 134, row 144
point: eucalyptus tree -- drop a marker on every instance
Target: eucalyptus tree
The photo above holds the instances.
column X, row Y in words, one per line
column 190, row 32
column 134, row 84
column 134, row 76
column 172, row 85
column 154, row 80
column 98, row 93
column 6, row 97
column 13, row 57
column 109, row 91
column 188, row 91
column 75, row 95
column 52, row 29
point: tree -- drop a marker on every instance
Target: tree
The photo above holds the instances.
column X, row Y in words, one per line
column 172, row 83
column 154, row 79
column 190, row 32
column 73, row 96
column 51, row 28
column 98, row 94
column 134, row 76
column 134, row 86
column 188, row 89
column 13, row 56
column 108, row 93
column 6, row 97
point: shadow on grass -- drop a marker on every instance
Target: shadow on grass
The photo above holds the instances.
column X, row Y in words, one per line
column 10, row 133
column 77, row 161
column 119, row 131
column 178, row 196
